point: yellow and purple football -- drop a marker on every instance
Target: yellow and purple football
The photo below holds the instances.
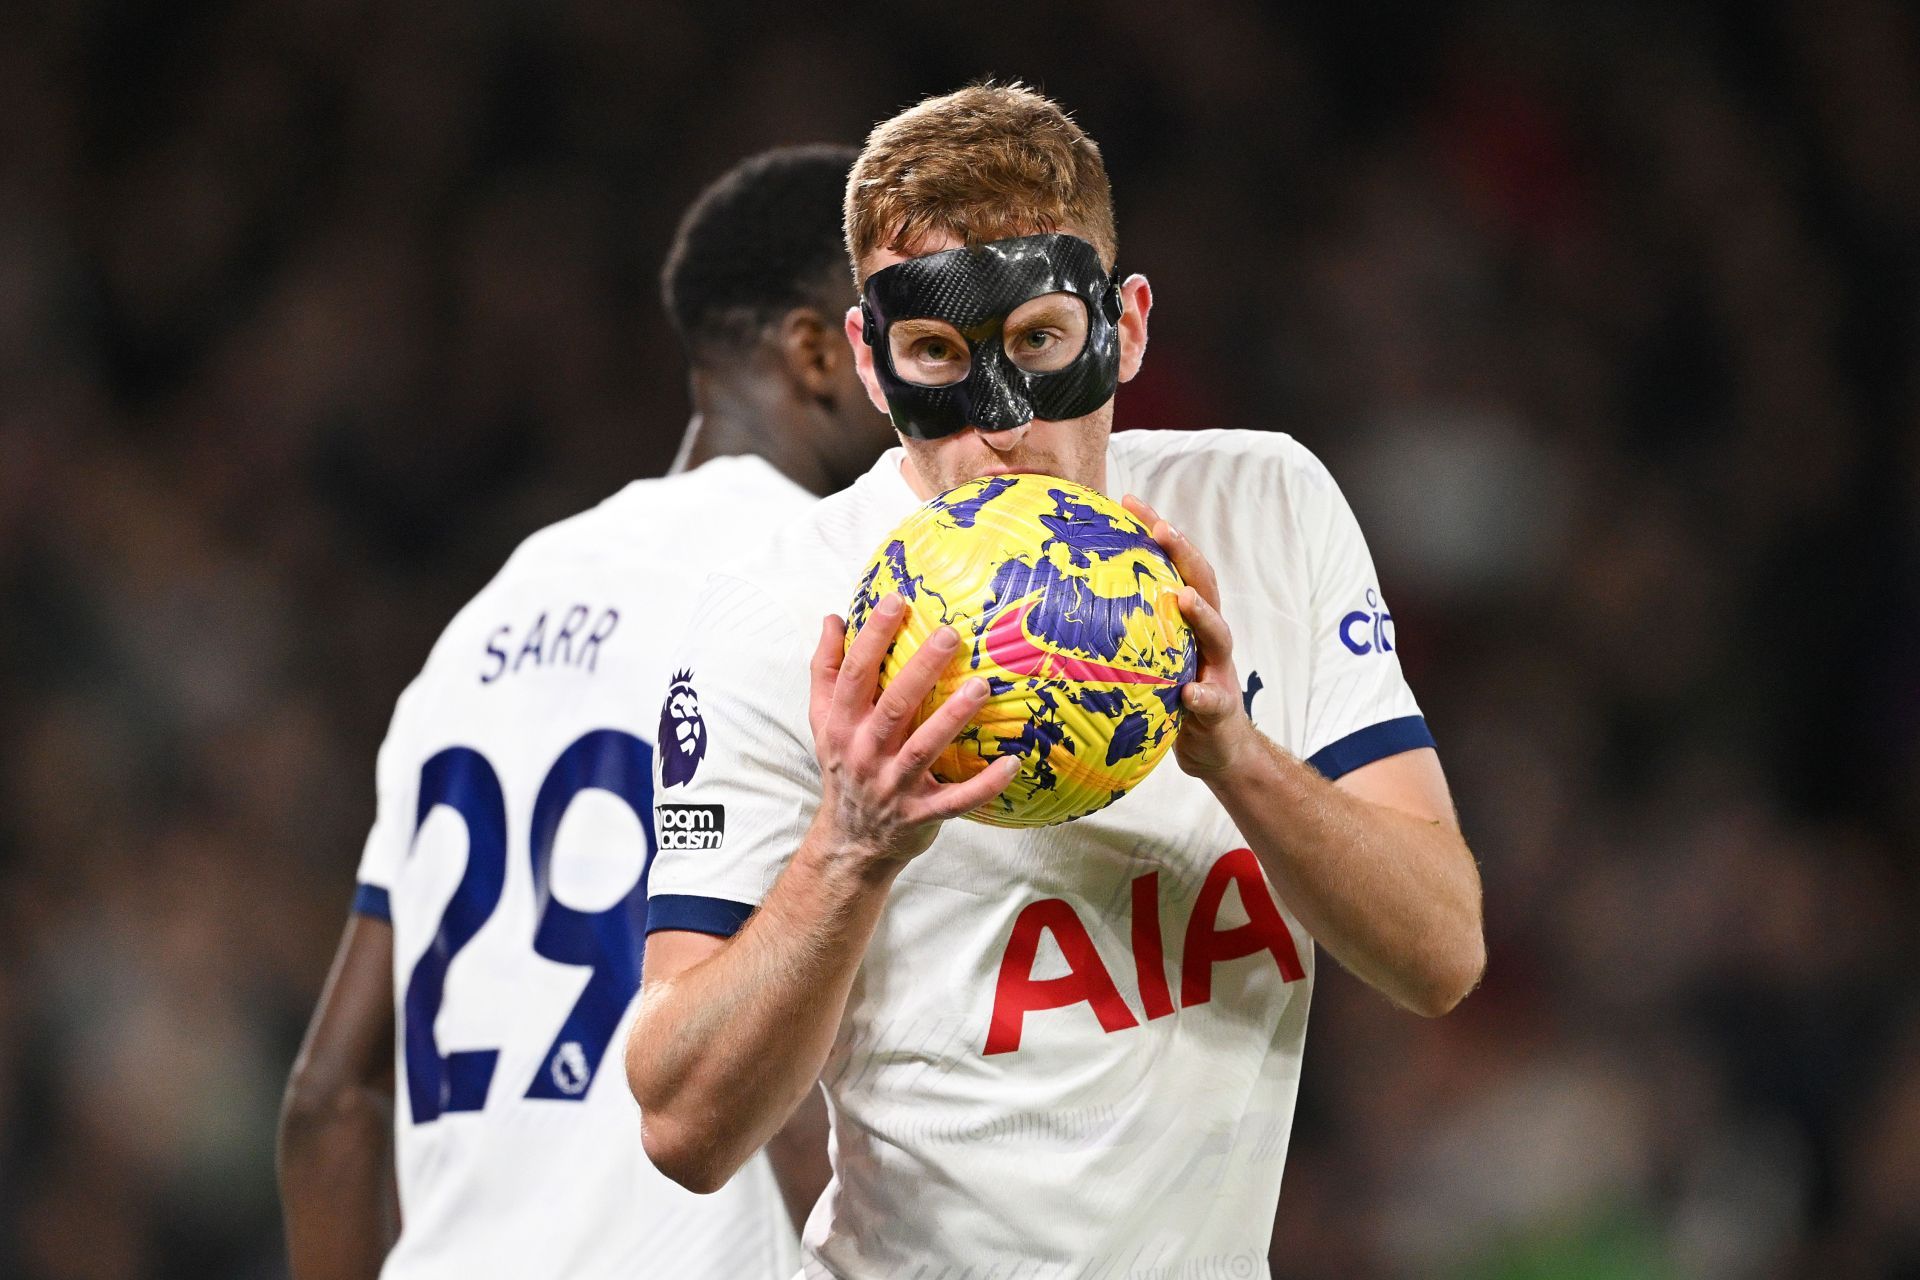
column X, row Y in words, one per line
column 1065, row 606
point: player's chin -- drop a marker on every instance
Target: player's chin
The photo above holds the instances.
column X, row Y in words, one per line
column 1068, row 450
column 989, row 462
column 1075, row 460
column 1029, row 466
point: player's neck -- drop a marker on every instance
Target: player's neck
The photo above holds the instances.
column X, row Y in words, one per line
column 752, row 414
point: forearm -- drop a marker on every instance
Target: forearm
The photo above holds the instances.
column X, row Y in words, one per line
column 336, row 1181
column 729, row 1040
column 722, row 1053
column 1394, row 896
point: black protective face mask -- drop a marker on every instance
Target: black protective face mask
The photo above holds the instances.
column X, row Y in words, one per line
column 974, row 290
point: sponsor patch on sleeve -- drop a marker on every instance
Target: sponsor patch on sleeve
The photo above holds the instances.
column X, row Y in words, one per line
column 690, row 826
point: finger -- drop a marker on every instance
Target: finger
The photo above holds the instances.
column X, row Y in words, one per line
column 1186, row 557
column 825, row 669
column 1216, row 693
column 860, row 669
column 956, row 798
column 907, row 692
column 939, row 730
column 1210, row 630
column 1142, row 510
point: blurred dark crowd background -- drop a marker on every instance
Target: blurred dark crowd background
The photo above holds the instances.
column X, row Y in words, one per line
column 1606, row 315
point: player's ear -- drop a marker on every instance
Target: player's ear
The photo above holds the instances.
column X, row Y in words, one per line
column 856, row 325
column 1136, row 300
column 811, row 352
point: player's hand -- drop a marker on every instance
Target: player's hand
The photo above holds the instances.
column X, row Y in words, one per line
column 1217, row 731
column 878, row 801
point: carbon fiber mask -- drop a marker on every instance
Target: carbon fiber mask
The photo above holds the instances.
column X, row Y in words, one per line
column 974, row 290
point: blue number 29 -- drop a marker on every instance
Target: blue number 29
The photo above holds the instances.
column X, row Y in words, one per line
column 607, row 942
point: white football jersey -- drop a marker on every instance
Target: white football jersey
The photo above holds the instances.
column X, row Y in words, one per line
column 1071, row 1051
column 511, row 853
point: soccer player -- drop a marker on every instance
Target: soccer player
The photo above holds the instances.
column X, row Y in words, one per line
column 499, row 923
column 1061, row 1051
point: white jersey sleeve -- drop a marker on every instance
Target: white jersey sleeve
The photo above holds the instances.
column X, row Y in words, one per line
column 738, row 784
column 392, row 830
column 1359, row 708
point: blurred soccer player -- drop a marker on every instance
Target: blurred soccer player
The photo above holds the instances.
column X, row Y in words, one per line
column 498, row 926
column 1071, row 1050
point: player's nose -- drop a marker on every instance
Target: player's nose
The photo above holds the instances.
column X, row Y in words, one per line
column 1007, row 439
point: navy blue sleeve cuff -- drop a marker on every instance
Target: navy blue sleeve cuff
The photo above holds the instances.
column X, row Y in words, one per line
column 371, row 900
column 1375, row 742
column 721, row 917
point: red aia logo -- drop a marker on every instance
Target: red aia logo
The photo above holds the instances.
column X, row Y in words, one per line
column 1017, row 992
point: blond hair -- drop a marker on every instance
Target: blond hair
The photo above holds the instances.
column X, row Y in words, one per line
column 983, row 163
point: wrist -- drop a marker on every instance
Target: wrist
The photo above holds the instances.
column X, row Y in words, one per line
column 843, row 857
column 1228, row 751
column 1243, row 760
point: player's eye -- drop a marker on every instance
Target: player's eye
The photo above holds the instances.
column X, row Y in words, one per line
column 928, row 353
column 1046, row 334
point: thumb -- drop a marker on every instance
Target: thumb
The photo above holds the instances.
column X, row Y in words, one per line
column 1207, row 703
